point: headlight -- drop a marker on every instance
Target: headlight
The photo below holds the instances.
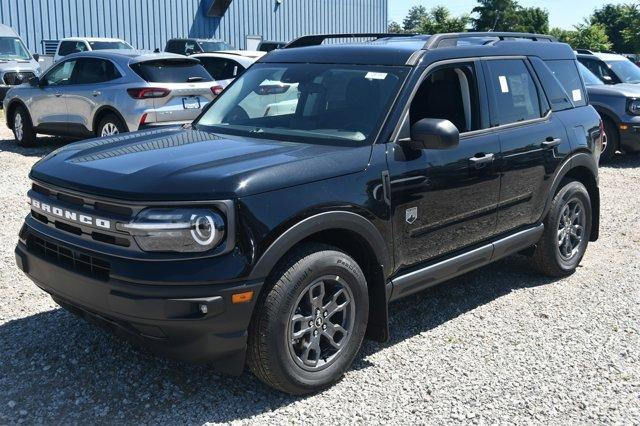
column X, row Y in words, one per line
column 633, row 106
column 177, row 230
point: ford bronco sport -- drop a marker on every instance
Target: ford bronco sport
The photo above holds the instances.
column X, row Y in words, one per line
column 279, row 238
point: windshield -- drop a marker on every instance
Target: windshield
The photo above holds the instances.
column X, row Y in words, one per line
column 306, row 102
column 627, row 71
column 104, row 45
column 589, row 78
column 172, row 71
column 12, row 48
column 214, row 46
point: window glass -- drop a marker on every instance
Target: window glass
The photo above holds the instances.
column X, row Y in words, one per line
column 11, row 48
column 589, row 78
column 601, row 70
column 103, row 45
column 221, row 68
column 307, row 103
column 93, row 70
column 66, row 48
column 61, row 74
column 567, row 74
column 449, row 93
column 172, row 71
column 625, row 70
column 175, row 46
column 555, row 91
column 514, row 92
column 191, row 47
column 215, row 46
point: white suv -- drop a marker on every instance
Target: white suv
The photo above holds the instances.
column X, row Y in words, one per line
column 70, row 45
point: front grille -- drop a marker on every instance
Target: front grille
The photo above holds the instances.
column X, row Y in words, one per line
column 70, row 259
column 11, row 78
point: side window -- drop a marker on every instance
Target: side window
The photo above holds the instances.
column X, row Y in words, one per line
column 60, row 74
column 555, row 91
column 449, row 93
column 222, row 69
column 190, row 48
column 93, row 70
column 176, row 46
column 567, row 73
column 514, row 92
column 600, row 69
column 66, row 48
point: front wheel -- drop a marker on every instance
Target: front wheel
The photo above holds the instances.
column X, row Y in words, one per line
column 310, row 322
column 23, row 130
column 567, row 228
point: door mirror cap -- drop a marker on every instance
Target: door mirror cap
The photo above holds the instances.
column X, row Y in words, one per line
column 34, row 81
column 607, row 79
column 433, row 133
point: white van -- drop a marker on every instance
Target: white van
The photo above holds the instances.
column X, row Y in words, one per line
column 17, row 65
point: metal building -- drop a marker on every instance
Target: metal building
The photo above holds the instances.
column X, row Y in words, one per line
column 148, row 24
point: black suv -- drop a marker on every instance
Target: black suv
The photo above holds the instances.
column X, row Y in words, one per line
column 324, row 183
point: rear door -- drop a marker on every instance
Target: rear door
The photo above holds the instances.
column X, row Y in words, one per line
column 533, row 140
column 92, row 80
column 187, row 83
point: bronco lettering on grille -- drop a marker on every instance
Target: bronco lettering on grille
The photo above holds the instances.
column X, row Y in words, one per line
column 69, row 214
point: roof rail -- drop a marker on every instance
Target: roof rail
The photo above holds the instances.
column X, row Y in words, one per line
column 448, row 40
column 584, row 51
column 317, row 39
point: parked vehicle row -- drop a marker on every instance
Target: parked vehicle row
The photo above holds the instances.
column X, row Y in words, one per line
column 16, row 63
column 277, row 237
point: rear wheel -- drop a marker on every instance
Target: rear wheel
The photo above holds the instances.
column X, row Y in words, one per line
column 110, row 125
column 310, row 323
column 23, row 130
column 566, row 231
column 613, row 139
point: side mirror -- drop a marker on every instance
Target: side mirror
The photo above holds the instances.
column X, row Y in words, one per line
column 433, row 133
column 34, row 81
column 36, row 57
column 607, row 79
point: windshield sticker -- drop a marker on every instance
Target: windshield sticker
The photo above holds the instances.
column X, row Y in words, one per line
column 577, row 95
column 376, row 75
column 504, row 86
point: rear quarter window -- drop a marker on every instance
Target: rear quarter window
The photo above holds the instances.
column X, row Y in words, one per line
column 172, row 71
column 566, row 71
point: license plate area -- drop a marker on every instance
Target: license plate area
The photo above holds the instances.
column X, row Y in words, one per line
column 191, row 102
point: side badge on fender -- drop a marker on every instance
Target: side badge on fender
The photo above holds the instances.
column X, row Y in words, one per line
column 411, row 215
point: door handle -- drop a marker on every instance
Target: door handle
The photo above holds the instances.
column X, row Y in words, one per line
column 481, row 160
column 57, row 95
column 551, row 142
column 96, row 93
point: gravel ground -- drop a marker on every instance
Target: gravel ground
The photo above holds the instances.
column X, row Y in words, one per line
column 501, row 345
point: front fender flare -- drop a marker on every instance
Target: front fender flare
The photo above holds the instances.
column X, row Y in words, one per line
column 321, row 222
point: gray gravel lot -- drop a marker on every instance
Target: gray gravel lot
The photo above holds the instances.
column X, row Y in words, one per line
column 501, row 345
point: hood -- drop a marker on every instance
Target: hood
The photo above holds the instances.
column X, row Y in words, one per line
column 185, row 164
column 624, row 89
column 20, row 65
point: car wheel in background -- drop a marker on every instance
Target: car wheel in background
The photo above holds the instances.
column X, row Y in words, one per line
column 23, row 130
column 613, row 138
column 110, row 125
column 567, row 228
column 310, row 320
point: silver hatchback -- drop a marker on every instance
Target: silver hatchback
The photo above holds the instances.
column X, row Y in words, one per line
column 102, row 93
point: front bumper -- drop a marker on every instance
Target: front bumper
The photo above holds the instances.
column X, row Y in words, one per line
column 164, row 318
column 629, row 136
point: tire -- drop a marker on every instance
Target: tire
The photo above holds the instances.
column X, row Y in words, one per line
column 551, row 255
column 110, row 125
column 23, row 130
column 613, row 141
column 284, row 308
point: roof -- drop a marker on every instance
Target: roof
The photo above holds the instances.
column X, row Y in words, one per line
column 611, row 57
column 6, row 31
column 197, row 39
column 409, row 50
column 128, row 56
column 234, row 54
column 91, row 39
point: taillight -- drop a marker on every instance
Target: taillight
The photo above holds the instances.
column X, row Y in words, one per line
column 216, row 90
column 148, row 93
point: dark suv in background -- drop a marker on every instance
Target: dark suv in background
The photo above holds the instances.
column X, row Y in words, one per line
column 280, row 233
column 189, row 46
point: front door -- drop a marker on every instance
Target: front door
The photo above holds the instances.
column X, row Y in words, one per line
column 48, row 108
column 445, row 200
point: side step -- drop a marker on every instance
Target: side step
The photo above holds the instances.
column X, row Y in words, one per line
column 421, row 279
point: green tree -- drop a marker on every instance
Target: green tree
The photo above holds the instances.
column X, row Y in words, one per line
column 631, row 33
column 616, row 20
column 562, row 35
column 533, row 20
column 497, row 15
column 439, row 20
column 414, row 18
column 394, row 28
column 589, row 36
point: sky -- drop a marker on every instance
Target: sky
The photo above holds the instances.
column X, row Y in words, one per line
column 562, row 13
